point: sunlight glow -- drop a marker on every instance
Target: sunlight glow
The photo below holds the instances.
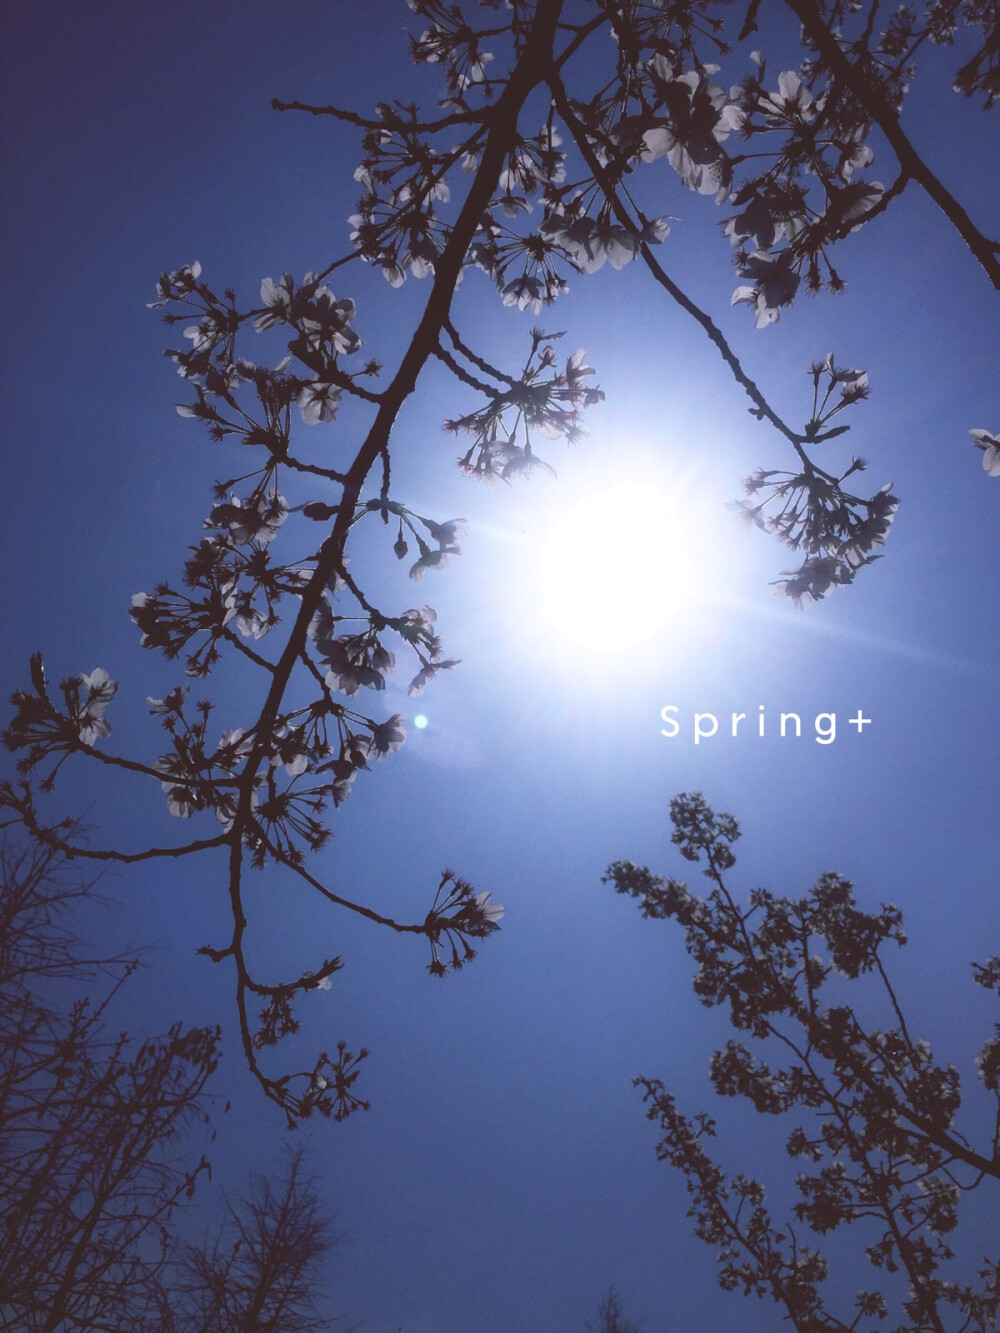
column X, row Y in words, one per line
column 615, row 566
column 623, row 567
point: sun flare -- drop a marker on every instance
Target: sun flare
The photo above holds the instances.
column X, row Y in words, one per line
column 616, row 564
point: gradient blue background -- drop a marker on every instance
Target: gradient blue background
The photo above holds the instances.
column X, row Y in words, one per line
column 505, row 1175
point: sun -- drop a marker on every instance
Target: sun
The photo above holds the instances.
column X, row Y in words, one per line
column 622, row 565
column 615, row 564
column 619, row 559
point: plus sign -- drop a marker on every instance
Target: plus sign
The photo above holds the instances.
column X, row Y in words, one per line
column 860, row 721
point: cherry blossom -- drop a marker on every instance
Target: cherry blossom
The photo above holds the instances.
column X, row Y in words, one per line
column 172, row 703
column 89, row 715
column 319, row 401
column 775, row 285
column 387, row 737
column 175, row 286
column 697, row 119
column 278, row 297
column 990, row 445
column 792, row 101
column 258, row 521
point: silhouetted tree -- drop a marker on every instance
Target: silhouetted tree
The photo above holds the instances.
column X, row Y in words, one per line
column 565, row 126
column 262, row 1270
column 611, row 1317
column 96, row 1153
column 90, row 1123
column 878, row 1140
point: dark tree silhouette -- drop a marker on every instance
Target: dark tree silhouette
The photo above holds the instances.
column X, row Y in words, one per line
column 262, row 1269
column 89, row 1124
column 96, row 1150
column 611, row 1317
column 876, row 1130
column 565, row 127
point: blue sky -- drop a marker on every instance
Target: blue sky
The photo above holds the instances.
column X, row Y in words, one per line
column 506, row 1175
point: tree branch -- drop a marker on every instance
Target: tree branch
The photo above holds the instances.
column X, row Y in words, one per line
column 874, row 101
column 762, row 408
